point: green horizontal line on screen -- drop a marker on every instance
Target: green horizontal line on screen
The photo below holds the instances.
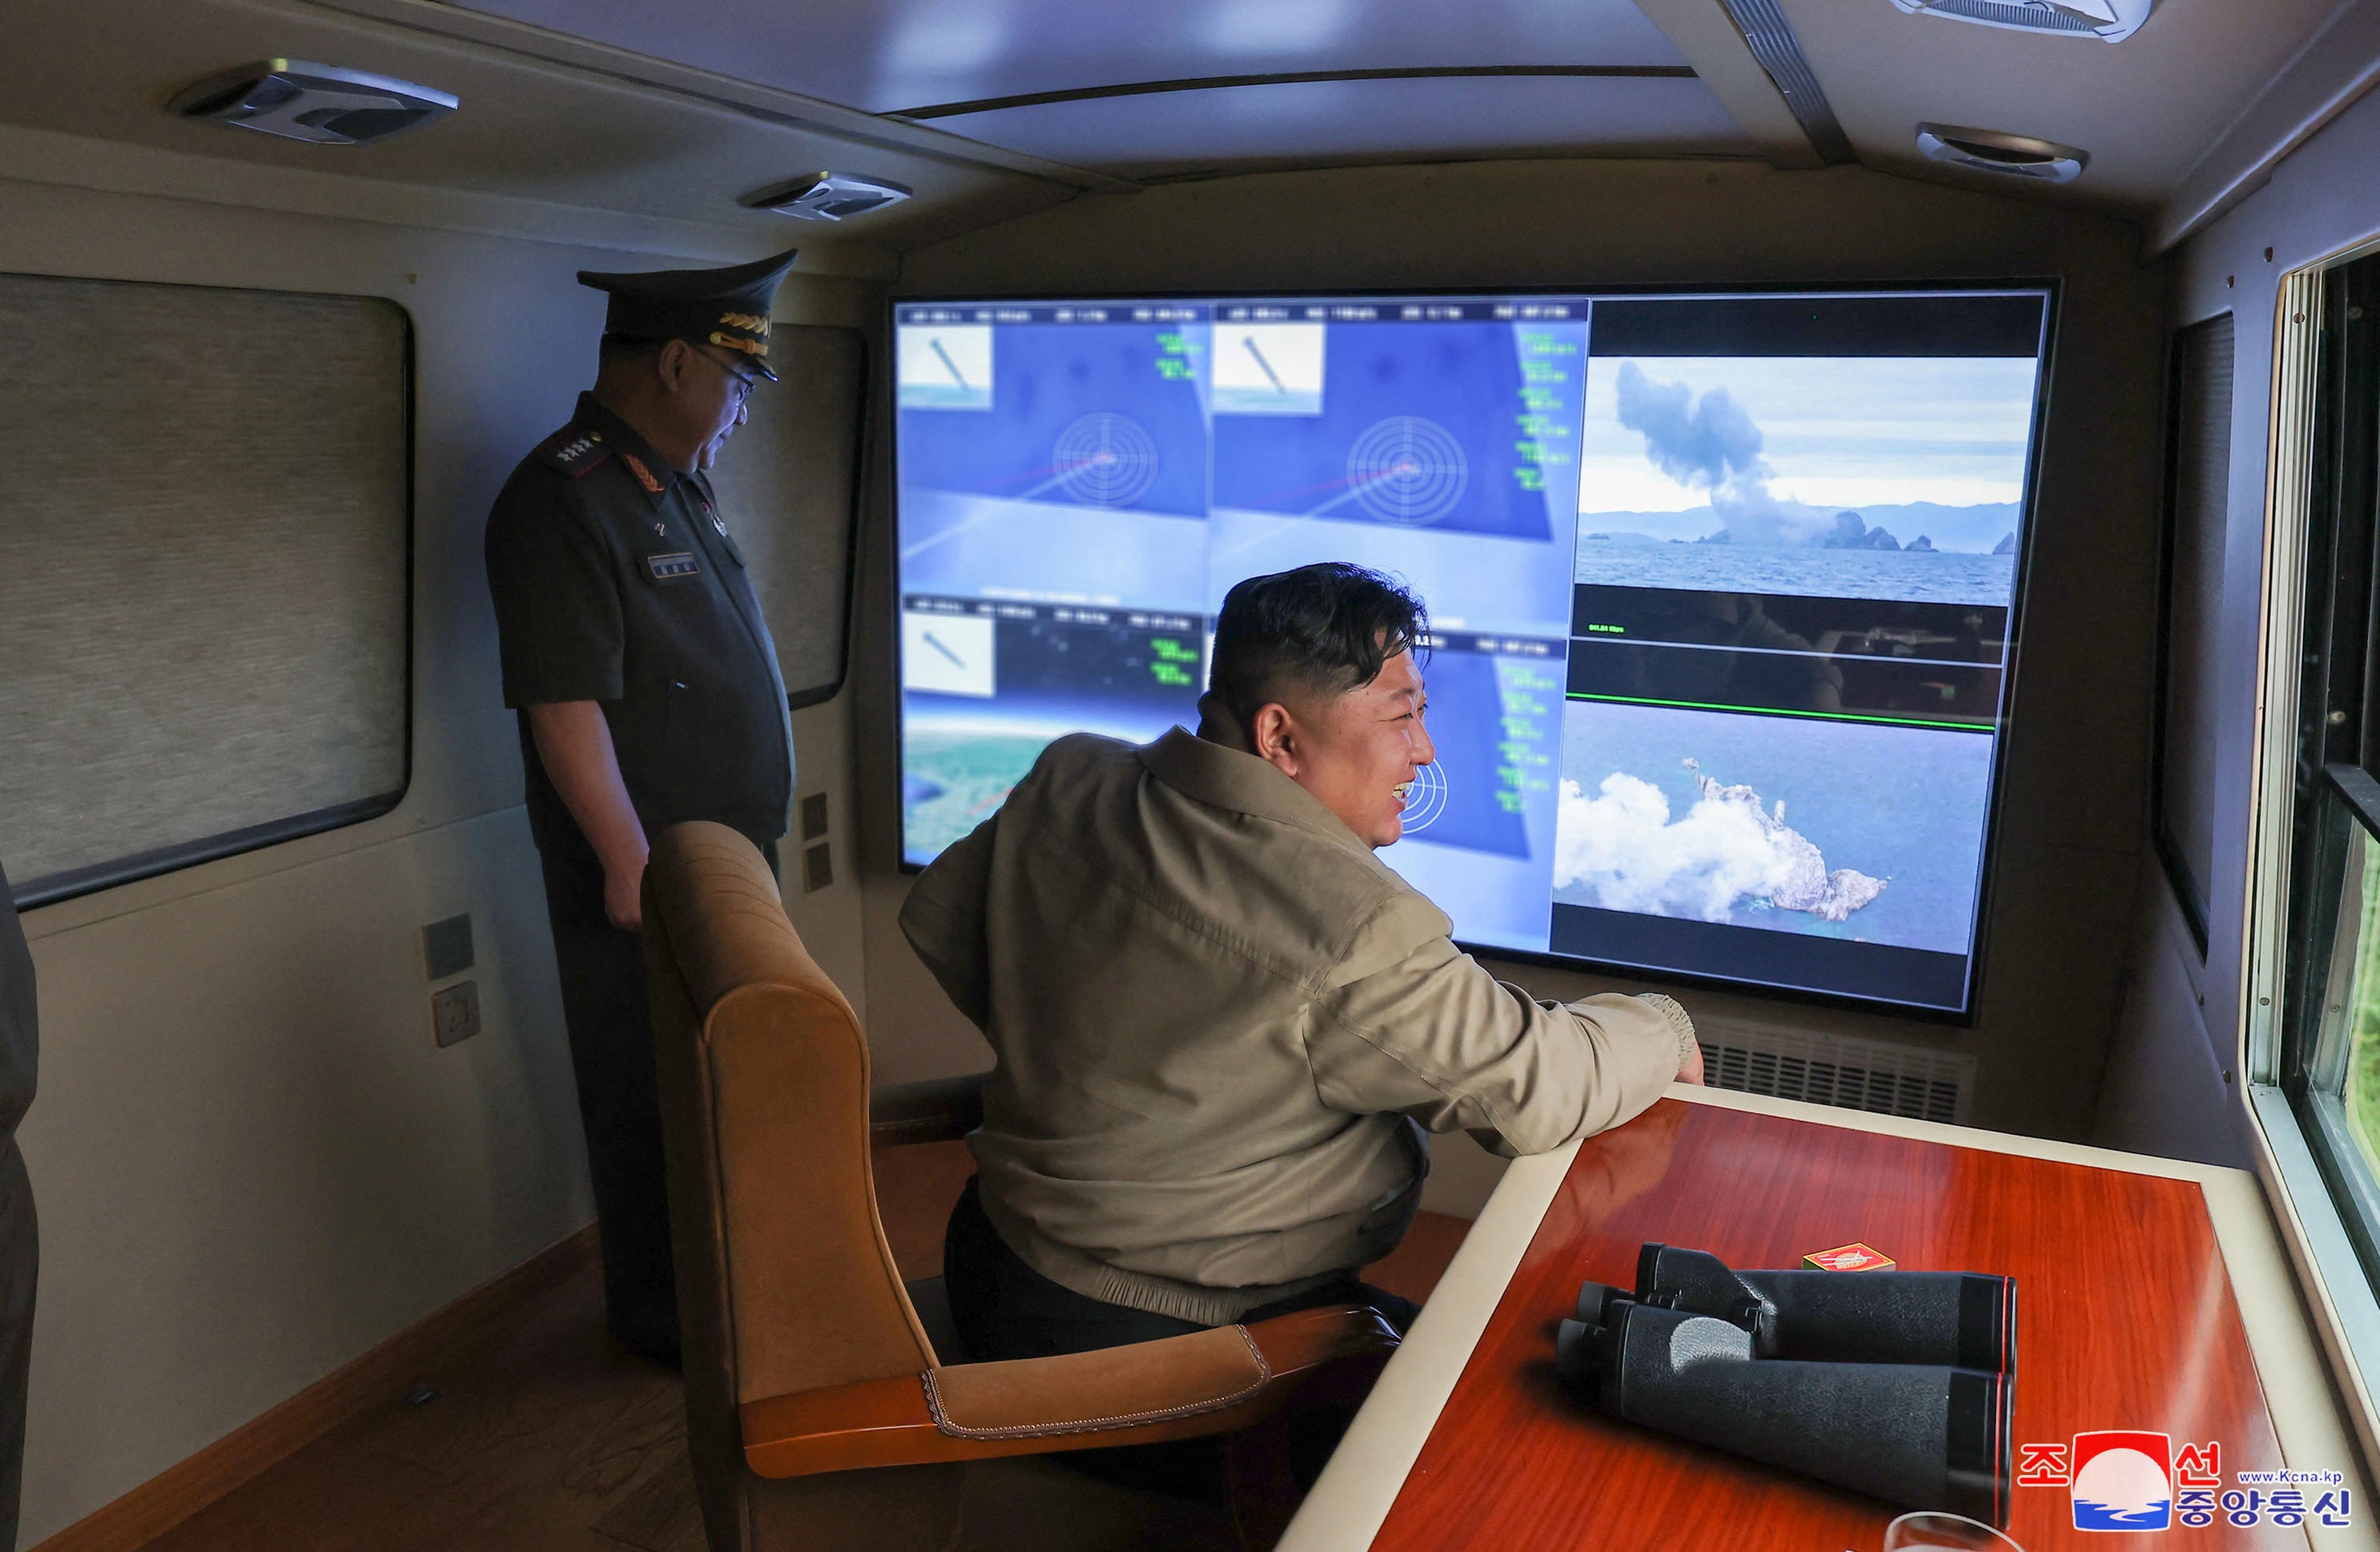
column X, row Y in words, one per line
column 1782, row 711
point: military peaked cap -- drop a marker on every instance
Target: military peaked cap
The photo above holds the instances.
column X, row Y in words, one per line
column 727, row 307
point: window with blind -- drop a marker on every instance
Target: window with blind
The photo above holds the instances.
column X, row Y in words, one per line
column 789, row 481
column 2198, row 475
column 204, row 551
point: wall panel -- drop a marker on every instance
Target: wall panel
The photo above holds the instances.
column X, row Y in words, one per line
column 251, row 1161
column 2319, row 202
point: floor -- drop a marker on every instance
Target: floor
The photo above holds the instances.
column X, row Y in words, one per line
column 543, row 1435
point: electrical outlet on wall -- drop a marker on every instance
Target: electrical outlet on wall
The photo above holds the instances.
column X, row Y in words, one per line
column 447, row 947
column 454, row 1013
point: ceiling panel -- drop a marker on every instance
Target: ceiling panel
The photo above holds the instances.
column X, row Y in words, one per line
column 1366, row 120
column 885, row 55
column 524, row 131
column 2146, row 109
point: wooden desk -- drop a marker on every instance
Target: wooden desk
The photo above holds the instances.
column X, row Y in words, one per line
column 2134, row 1275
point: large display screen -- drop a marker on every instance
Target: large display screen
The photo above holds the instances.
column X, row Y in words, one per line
column 1723, row 587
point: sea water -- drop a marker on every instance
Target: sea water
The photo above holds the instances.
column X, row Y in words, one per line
column 1919, row 575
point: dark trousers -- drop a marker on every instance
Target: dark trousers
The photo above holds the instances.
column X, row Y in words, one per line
column 1005, row 1309
column 602, row 971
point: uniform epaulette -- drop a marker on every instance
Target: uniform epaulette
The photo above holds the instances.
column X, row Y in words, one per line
column 573, row 451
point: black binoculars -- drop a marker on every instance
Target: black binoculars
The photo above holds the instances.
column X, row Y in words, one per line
column 1894, row 1384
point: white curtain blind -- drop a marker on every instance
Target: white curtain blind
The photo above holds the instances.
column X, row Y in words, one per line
column 203, row 573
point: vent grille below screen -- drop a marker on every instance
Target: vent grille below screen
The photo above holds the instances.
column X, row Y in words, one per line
column 1850, row 1073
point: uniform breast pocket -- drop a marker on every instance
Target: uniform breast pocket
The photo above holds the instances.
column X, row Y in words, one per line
column 667, row 570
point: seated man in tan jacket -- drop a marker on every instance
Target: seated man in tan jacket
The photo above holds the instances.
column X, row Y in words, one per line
column 1222, row 1025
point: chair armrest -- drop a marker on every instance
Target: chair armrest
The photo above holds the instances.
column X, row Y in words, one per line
column 936, row 1111
column 1209, row 1382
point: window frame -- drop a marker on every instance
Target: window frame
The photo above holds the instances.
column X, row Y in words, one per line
column 2329, row 1222
column 2346, row 800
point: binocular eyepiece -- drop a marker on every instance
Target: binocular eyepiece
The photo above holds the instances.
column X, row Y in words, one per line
column 1897, row 1384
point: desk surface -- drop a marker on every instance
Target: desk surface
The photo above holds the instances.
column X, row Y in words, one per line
column 2127, row 1270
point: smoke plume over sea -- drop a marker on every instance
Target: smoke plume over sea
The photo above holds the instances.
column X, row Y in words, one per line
column 1843, row 830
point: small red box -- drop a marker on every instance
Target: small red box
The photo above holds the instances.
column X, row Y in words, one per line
column 1848, row 1259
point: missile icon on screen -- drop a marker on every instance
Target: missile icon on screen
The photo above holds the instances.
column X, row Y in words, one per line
column 1270, row 376
column 957, row 376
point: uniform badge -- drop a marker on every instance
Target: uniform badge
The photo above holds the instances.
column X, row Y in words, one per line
column 716, row 520
column 750, row 333
column 575, row 453
column 644, row 476
column 670, row 569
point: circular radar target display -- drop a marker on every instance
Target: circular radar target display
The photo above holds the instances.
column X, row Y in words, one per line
column 1407, row 470
column 1427, row 801
column 1105, row 460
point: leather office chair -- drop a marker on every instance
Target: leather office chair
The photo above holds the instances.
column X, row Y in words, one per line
column 820, row 1414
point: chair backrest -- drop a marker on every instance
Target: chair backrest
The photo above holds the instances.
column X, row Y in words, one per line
column 786, row 1281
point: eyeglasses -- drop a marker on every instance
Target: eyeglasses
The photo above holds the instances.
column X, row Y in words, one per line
column 743, row 385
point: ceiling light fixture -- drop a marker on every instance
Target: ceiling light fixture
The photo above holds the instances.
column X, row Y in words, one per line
column 326, row 105
column 826, row 196
column 2110, row 21
column 1991, row 151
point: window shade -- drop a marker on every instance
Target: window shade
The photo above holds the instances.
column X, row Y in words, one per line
column 2197, row 496
column 204, row 550
column 789, row 482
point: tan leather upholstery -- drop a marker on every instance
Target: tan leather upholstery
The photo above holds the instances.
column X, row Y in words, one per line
column 780, row 1086
column 817, row 1412
column 1088, row 1393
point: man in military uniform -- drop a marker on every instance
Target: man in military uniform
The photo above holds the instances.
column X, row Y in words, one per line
column 649, row 694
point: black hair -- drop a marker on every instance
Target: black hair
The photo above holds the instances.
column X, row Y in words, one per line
column 1327, row 627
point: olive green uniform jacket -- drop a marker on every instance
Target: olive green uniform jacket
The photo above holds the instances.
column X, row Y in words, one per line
column 1221, row 1023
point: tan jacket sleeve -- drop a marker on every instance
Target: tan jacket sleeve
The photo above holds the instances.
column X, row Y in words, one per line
column 943, row 919
column 1435, row 1037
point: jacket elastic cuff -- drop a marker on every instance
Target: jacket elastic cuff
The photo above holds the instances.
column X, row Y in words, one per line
column 1682, row 1025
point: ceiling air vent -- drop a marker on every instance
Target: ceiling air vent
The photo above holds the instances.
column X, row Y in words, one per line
column 2110, row 21
column 1989, row 151
column 323, row 104
column 826, row 196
